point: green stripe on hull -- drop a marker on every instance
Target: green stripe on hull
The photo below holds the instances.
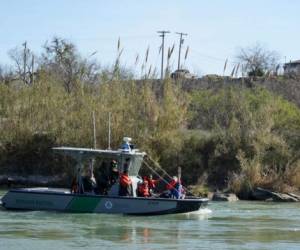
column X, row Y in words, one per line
column 83, row 204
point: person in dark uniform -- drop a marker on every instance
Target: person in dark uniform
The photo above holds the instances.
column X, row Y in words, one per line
column 113, row 174
column 89, row 182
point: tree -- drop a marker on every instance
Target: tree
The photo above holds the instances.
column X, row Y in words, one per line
column 257, row 60
column 24, row 63
column 62, row 59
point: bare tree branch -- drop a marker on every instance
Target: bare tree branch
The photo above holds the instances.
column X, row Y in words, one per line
column 257, row 60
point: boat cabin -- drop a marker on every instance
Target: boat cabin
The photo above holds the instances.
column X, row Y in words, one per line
column 98, row 163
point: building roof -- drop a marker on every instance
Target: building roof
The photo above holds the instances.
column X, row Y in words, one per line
column 293, row 62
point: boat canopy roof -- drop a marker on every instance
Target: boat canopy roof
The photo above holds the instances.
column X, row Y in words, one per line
column 82, row 154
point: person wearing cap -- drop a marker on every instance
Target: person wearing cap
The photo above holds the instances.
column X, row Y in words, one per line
column 114, row 173
column 126, row 144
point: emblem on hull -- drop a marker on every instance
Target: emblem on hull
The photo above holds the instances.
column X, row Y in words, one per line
column 108, row 204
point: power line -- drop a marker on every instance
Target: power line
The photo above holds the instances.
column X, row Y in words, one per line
column 162, row 35
column 214, row 58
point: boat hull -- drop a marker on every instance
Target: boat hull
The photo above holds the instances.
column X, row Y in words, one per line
column 64, row 201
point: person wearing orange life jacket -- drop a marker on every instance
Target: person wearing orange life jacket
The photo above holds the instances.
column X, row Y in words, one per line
column 125, row 184
column 143, row 189
column 172, row 183
column 152, row 183
column 174, row 188
column 125, row 181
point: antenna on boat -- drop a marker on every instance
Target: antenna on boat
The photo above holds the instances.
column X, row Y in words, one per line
column 109, row 131
column 92, row 161
column 179, row 173
column 94, row 125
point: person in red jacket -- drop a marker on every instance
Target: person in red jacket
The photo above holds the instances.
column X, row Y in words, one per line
column 152, row 183
column 143, row 189
column 125, row 184
column 172, row 183
column 174, row 188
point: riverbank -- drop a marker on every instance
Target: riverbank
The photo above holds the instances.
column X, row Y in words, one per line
column 255, row 194
column 258, row 194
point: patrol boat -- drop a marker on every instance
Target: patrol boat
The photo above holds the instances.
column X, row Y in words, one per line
column 81, row 201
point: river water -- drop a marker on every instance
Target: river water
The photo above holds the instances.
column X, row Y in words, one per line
column 237, row 225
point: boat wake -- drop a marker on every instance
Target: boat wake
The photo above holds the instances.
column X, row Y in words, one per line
column 1, row 206
column 202, row 211
column 200, row 214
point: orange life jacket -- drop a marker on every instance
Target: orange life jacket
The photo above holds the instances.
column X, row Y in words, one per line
column 171, row 185
column 152, row 183
column 125, row 180
column 143, row 190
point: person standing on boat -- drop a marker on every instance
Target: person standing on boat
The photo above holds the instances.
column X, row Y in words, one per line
column 175, row 188
column 126, row 144
column 125, row 181
column 125, row 184
column 89, row 182
column 114, row 173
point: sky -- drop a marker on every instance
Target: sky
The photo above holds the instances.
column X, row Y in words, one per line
column 216, row 29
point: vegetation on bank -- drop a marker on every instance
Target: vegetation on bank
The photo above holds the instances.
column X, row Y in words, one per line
column 231, row 136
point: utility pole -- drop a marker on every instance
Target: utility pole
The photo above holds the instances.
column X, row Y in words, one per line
column 32, row 70
column 180, row 43
column 24, row 61
column 162, row 35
